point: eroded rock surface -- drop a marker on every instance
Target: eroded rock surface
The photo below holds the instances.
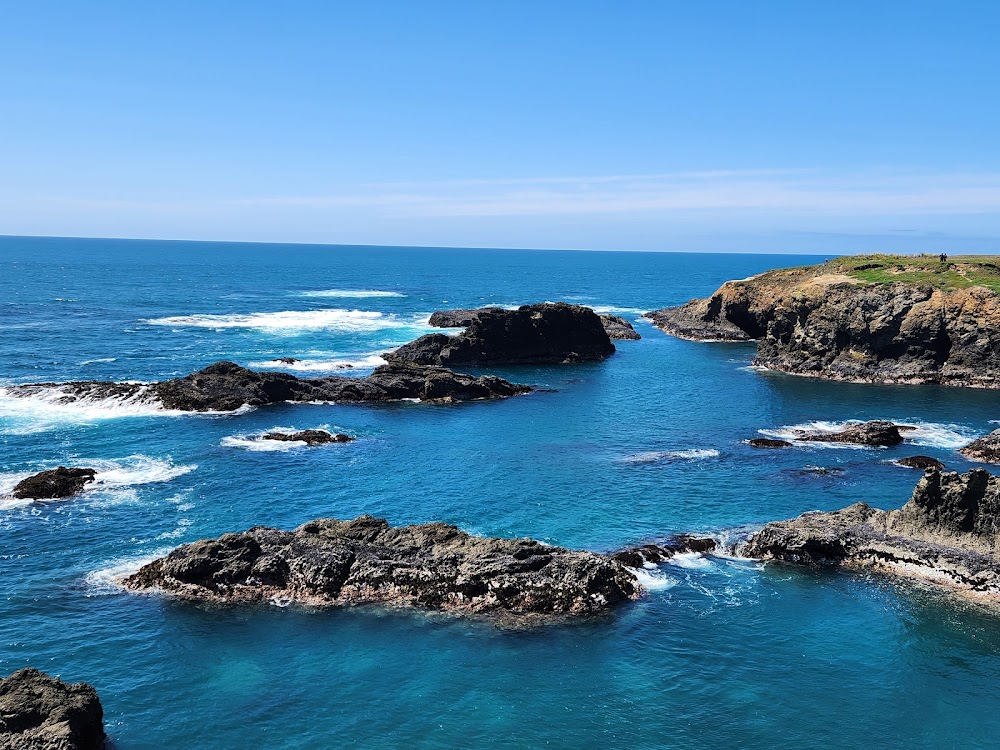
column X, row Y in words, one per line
column 548, row 333
column 226, row 386
column 985, row 449
column 948, row 532
column 54, row 483
column 437, row 566
column 38, row 712
column 619, row 328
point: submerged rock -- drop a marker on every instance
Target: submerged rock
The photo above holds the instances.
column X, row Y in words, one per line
column 637, row 557
column 619, row 328
column 548, row 333
column 54, row 483
column 226, row 386
column 877, row 432
column 38, row 712
column 985, row 449
column 948, row 532
column 877, row 319
column 768, row 443
column 329, row 562
column 919, row 462
column 309, row 437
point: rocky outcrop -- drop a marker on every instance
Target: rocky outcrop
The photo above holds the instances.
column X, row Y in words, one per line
column 548, row 333
column 768, row 443
column 829, row 321
column 919, row 462
column 54, row 483
column 618, row 328
column 948, row 532
column 328, row 562
column 877, row 432
column 38, row 712
column 985, row 449
column 226, row 386
column 659, row 552
column 309, row 437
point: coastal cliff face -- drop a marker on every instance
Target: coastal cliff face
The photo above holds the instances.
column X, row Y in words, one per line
column 329, row 562
column 830, row 321
column 226, row 386
column 548, row 333
column 948, row 532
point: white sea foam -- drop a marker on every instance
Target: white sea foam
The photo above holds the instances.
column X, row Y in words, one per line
column 350, row 293
column 361, row 362
column 692, row 561
column 45, row 408
column 290, row 322
column 653, row 579
column 106, row 579
column 96, row 361
column 615, row 310
column 927, row 434
column 254, row 443
column 649, row 457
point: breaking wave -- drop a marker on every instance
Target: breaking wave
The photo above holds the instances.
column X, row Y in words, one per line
column 368, row 362
column 105, row 580
column 926, row 434
column 290, row 322
column 649, row 457
column 350, row 293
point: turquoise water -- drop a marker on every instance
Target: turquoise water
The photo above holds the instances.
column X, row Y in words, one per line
column 721, row 653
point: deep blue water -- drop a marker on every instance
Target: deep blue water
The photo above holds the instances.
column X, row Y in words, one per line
column 721, row 653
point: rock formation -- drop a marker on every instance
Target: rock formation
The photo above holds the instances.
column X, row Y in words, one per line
column 54, row 483
column 985, row 449
column 38, row 712
column 913, row 324
column 330, row 562
column 920, row 462
column 768, row 443
column 616, row 327
column 948, row 532
column 658, row 552
column 548, row 333
column 225, row 386
column 309, row 437
column 877, row 432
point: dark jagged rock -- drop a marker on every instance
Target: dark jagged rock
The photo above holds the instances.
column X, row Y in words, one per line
column 829, row 321
column 985, row 449
column 618, row 328
column 38, row 712
column 768, row 443
column 636, row 557
column 226, row 386
column 920, row 462
column 329, row 562
column 309, row 437
column 877, row 432
column 457, row 318
column 54, row 483
column 948, row 532
column 547, row 333
column 286, row 360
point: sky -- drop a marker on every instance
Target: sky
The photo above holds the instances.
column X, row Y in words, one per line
column 738, row 126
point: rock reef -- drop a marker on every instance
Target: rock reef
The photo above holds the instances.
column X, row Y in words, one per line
column 615, row 326
column 877, row 432
column 226, row 386
column 920, row 462
column 330, row 562
column 985, row 449
column 768, row 443
column 309, row 437
column 38, row 712
column 547, row 333
column 948, row 532
column 54, row 483
column 877, row 319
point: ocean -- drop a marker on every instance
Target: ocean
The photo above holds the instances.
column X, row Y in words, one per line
column 722, row 652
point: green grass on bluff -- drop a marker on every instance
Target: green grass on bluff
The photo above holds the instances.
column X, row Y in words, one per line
column 958, row 272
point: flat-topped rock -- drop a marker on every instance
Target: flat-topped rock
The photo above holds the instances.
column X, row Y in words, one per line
column 919, row 462
column 618, row 328
column 985, row 449
column 948, row 532
column 309, row 437
column 38, row 712
column 225, row 386
column 768, row 443
column 329, row 562
column 877, row 432
column 548, row 333
column 54, row 484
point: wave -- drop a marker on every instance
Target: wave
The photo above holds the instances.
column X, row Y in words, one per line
column 368, row 362
column 614, row 310
column 290, row 322
column 49, row 407
column 649, row 457
column 926, row 434
column 255, row 443
column 106, row 579
column 96, row 361
column 112, row 475
column 653, row 579
column 350, row 293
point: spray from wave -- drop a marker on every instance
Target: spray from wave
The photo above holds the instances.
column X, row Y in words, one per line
column 291, row 322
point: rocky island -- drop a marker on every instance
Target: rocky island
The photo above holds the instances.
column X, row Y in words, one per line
column 948, row 532
column 615, row 326
column 39, row 712
column 871, row 319
column 226, row 386
column 547, row 333
column 54, row 484
column 329, row 562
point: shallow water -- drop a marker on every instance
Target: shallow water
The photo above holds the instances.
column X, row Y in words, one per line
column 720, row 653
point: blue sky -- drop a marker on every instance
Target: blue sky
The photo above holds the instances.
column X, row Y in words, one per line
column 727, row 126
